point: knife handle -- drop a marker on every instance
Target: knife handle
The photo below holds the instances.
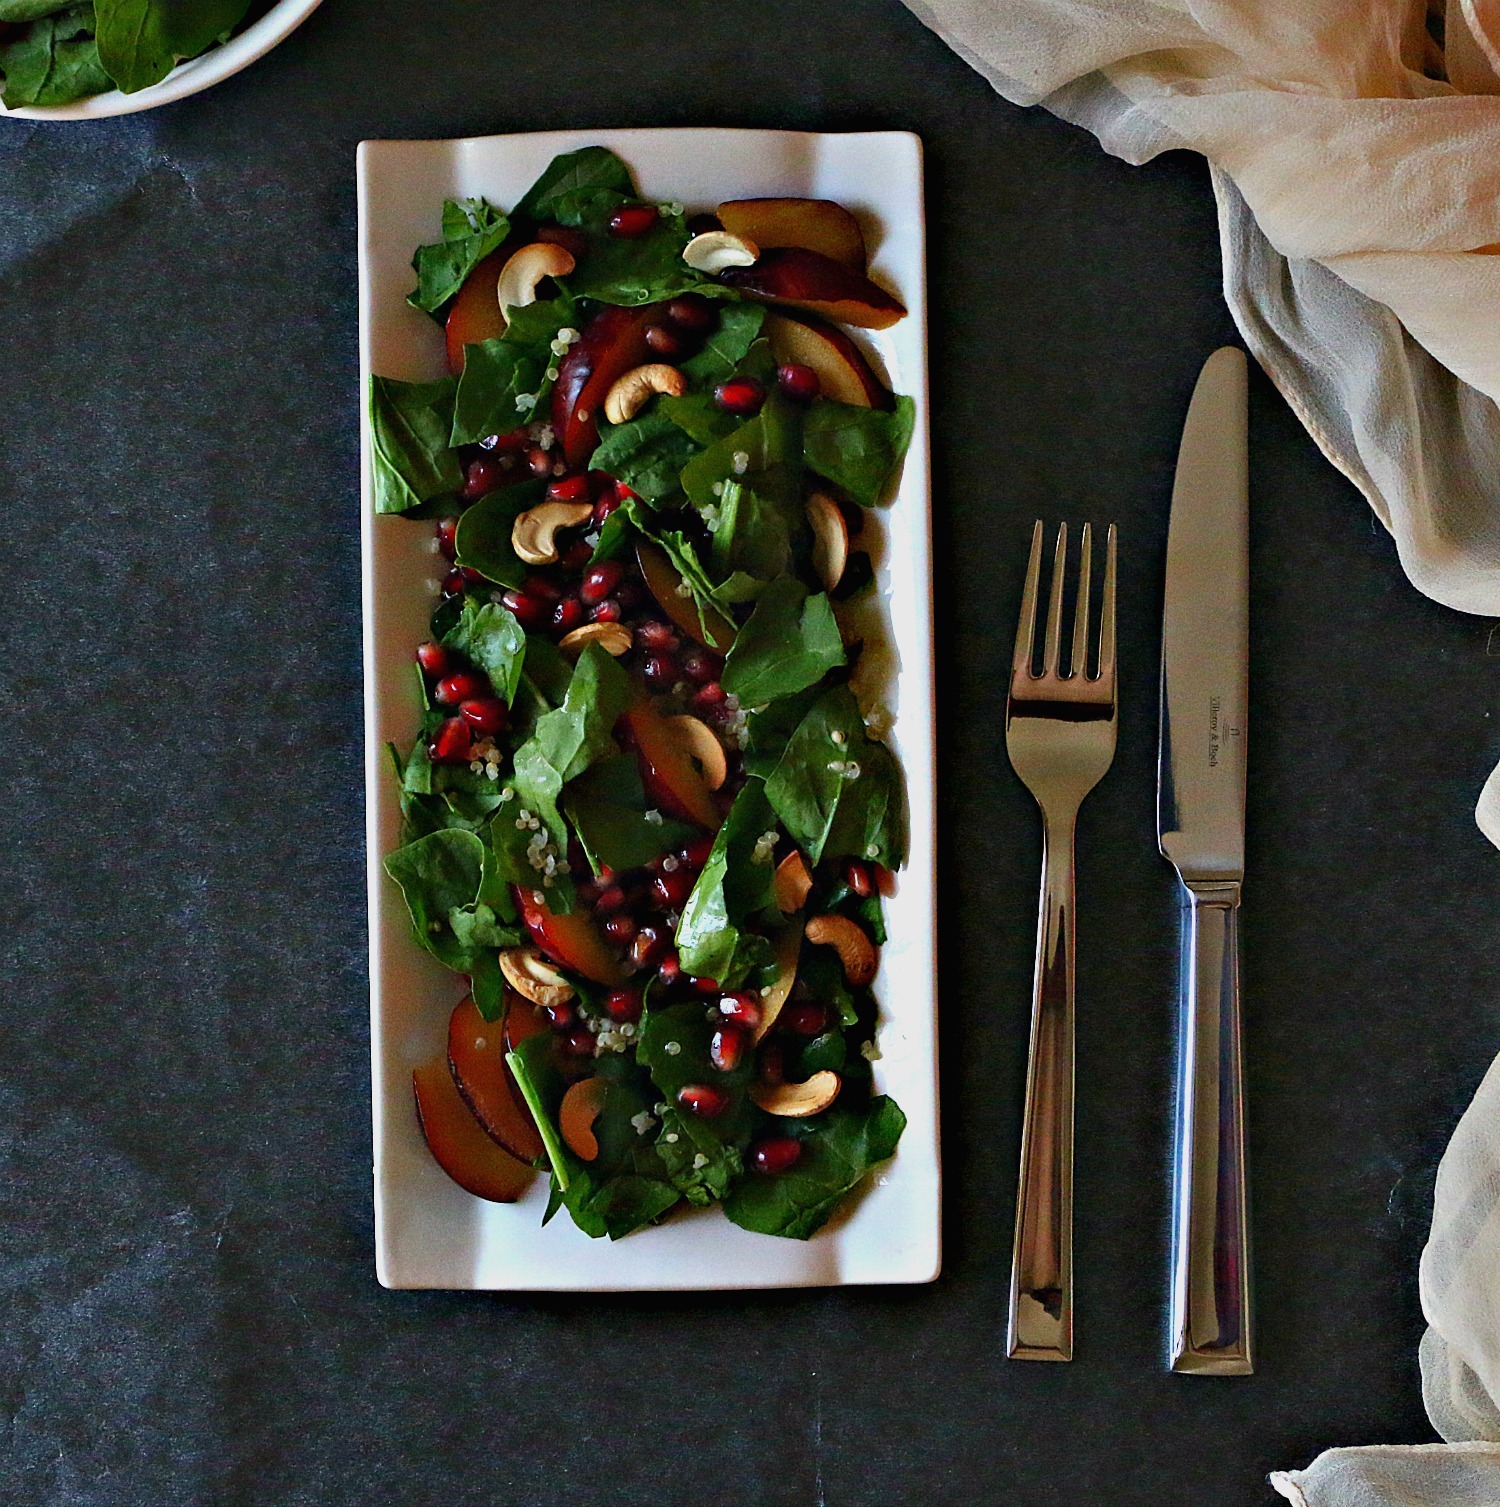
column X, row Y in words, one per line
column 1040, row 1320
column 1211, row 1318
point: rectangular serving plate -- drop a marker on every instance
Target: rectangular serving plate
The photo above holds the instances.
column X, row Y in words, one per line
column 429, row 1233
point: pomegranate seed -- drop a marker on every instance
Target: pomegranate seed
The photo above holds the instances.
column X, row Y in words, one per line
column 695, row 855
column 705, row 985
column 631, row 220
column 703, row 1100
column 434, row 658
column 667, row 344
column 605, row 504
column 599, row 580
column 462, row 685
column 542, row 586
column 775, row 1154
column 575, row 488
column 447, row 537
column 800, row 383
column 727, row 1048
column 507, row 443
column 741, row 396
column 692, row 311
column 670, row 967
column 660, row 672
column 772, row 1064
column 857, row 877
column 578, row 554
column 647, row 949
column 570, row 240
column 671, row 890
column 710, row 698
column 485, row 473
column 807, row 1019
column 529, row 611
column 631, row 595
column 590, row 889
column 698, row 665
column 620, row 930
column 656, row 637
column 450, row 743
column 459, row 579
column 623, row 1004
column 742, row 1008
column 567, row 615
column 611, row 899
column 485, row 714
column 579, row 1042
column 607, row 611
column 539, row 461
column 560, row 1017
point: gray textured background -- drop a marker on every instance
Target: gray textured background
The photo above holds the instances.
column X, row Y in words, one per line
column 190, row 1311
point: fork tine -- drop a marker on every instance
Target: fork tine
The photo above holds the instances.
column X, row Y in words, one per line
column 1107, row 625
column 1020, row 668
column 1078, row 661
column 1054, row 603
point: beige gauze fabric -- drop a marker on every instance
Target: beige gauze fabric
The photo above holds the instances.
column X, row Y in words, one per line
column 1355, row 154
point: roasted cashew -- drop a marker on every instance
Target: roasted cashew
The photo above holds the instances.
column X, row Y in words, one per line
column 630, row 393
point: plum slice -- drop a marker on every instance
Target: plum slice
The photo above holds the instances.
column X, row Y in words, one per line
column 476, row 1058
column 612, row 342
column 667, row 771
column 475, row 313
column 810, row 280
column 843, row 373
column 458, row 1142
column 714, row 631
column 571, row 940
column 815, row 224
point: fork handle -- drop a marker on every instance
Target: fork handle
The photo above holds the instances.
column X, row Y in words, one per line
column 1040, row 1322
column 1211, row 1317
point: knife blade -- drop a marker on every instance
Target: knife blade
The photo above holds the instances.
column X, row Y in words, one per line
column 1201, row 829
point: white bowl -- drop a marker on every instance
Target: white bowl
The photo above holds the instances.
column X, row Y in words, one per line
column 187, row 78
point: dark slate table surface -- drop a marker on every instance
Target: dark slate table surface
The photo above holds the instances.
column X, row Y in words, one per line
column 185, row 1228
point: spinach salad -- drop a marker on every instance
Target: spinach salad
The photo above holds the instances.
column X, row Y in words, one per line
column 646, row 817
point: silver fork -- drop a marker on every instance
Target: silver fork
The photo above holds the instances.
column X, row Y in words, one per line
column 1060, row 735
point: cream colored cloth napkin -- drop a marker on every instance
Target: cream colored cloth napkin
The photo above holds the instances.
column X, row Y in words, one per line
column 1355, row 149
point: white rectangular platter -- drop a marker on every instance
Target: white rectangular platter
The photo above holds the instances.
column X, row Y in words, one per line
column 428, row 1231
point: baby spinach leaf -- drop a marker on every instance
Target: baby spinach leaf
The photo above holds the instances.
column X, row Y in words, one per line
column 857, row 449
column 484, row 531
column 55, row 61
column 836, row 790
column 495, row 374
column 637, row 270
column 607, row 806
column 647, row 454
column 769, row 730
column 674, row 1043
column 490, row 637
column 512, row 833
column 790, row 642
column 838, row 1149
column 19, row 12
column 699, row 417
column 722, row 352
column 141, row 41
column 733, row 886
column 441, row 877
column 472, row 229
column 411, row 461
column 754, row 533
column 764, row 452
column 578, row 188
column 701, row 1176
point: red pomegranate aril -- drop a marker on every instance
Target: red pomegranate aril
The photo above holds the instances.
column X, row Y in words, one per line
column 698, row 666
column 575, row 488
column 571, row 240
column 611, row 898
column 459, row 579
column 692, row 311
column 703, row 1100
column 667, row 344
column 741, row 396
column 605, row 504
column 607, row 611
column 705, row 985
column 529, row 611
column 647, row 949
column 485, row 714
column 660, row 672
column 727, row 1048
column 539, row 462
column 671, row 890
column 620, row 930
column 599, row 580
column 775, row 1154
column 857, row 877
column 710, row 697
column 446, row 534
column 434, row 658
column 567, row 615
column 670, row 967
column 560, row 1017
column 578, row 554
column 542, row 586
column 696, row 854
column 631, row 595
column 623, row 1004
column 655, row 637
column 800, row 383
column 579, row 1042
column 450, row 743
column 462, row 685
column 484, row 474
column 631, row 220
column 742, row 1008
column 507, row 443
column 809, row 1018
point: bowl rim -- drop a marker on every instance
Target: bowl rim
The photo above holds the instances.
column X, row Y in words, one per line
column 191, row 77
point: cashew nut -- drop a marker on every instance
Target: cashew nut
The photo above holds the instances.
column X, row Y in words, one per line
column 856, row 951
column 580, row 1107
column 630, row 393
column 526, row 268
column 613, row 638
column 784, row 948
column 715, row 250
column 830, row 551
column 793, row 882
column 531, row 975
column 533, row 534
column 702, row 746
column 793, row 1101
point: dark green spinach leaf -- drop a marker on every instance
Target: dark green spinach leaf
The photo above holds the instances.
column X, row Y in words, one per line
column 858, row 449
column 483, row 539
column 607, row 806
column 411, row 462
column 727, row 346
column 647, row 453
column 472, row 229
column 55, row 61
column 790, row 642
column 579, row 188
column 141, row 41
column 489, row 636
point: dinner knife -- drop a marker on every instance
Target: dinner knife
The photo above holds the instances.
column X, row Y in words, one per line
column 1201, row 826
